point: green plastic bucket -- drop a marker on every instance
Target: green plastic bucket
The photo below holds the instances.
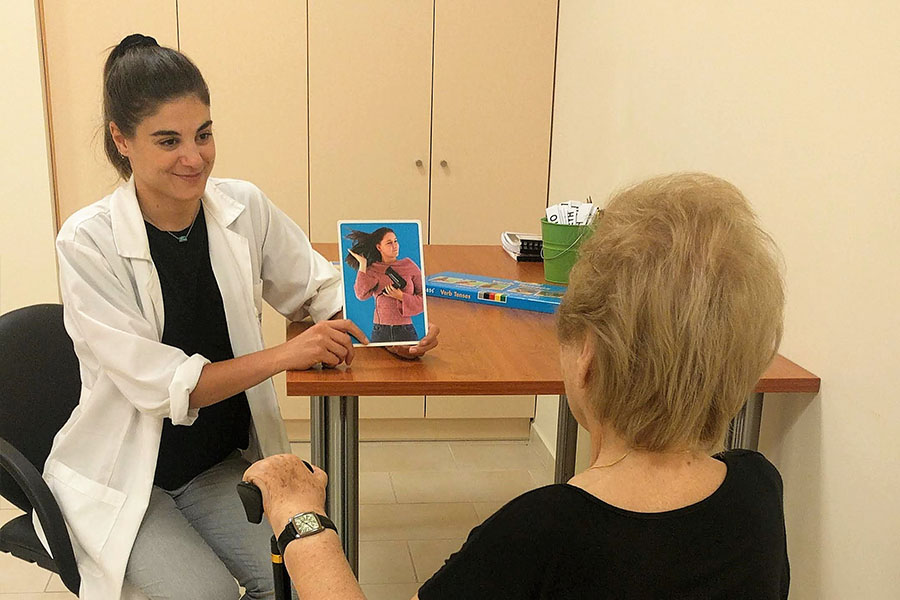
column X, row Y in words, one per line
column 560, row 249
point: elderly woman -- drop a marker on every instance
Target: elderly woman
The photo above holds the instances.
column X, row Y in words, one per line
column 674, row 310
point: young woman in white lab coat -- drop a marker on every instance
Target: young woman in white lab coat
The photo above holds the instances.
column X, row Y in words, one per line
column 162, row 283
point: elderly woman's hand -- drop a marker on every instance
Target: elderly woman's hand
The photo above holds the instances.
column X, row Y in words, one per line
column 288, row 487
column 429, row 342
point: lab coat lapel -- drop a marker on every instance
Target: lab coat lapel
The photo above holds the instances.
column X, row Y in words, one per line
column 229, row 254
column 130, row 235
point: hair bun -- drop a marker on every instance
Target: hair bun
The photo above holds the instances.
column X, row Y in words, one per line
column 135, row 40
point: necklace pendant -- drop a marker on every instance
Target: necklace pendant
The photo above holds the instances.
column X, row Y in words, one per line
column 181, row 238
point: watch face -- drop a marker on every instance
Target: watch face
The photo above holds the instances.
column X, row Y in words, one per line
column 306, row 523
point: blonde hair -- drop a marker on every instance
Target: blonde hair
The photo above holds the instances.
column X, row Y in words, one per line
column 683, row 294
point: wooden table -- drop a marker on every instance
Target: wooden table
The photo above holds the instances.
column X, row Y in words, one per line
column 483, row 350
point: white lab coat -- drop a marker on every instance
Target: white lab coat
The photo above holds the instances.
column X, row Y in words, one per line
column 103, row 460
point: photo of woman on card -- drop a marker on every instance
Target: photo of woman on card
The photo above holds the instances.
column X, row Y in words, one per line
column 388, row 275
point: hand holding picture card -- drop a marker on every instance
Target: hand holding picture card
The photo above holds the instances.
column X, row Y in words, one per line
column 382, row 272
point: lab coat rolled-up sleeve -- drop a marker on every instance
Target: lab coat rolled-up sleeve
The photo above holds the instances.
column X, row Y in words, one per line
column 114, row 339
column 297, row 280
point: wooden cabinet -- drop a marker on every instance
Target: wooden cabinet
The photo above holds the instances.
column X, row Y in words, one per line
column 254, row 62
column 434, row 111
column 77, row 38
column 369, row 112
column 479, row 407
column 493, row 98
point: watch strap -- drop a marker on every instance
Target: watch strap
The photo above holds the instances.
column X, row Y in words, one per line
column 290, row 533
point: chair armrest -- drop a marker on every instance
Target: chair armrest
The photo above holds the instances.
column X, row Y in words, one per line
column 54, row 525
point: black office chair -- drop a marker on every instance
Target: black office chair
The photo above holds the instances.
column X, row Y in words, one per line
column 39, row 386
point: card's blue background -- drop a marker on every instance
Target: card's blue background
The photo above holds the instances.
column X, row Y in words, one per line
column 362, row 312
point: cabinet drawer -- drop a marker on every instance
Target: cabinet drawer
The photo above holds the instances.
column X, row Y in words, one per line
column 392, row 407
column 468, row 407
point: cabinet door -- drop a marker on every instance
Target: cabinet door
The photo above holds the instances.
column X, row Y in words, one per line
column 493, row 93
column 77, row 40
column 369, row 111
column 254, row 62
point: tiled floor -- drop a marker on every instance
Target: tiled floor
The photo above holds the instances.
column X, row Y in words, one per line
column 418, row 501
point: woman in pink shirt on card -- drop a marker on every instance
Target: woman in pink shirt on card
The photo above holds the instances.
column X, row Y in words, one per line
column 395, row 284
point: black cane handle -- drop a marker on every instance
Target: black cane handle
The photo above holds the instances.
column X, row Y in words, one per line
column 251, row 498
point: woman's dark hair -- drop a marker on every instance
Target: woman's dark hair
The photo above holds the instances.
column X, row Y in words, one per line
column 364, row 245
column 138, row 76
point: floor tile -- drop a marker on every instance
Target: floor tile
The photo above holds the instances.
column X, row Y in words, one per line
column 542, row 477
column 20, row 576
column 495, row 456
column 389, row 591
column 460, row 486
column 429, row 555
column 416, row 521
column 486, row 509
column 376, row 488
column 55, row 584
column 385, row 562
column 405, row 456
column 8, row 515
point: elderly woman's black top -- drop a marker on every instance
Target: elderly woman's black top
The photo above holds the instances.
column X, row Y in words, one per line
column 559, row 541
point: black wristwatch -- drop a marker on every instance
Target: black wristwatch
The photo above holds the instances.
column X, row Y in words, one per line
column 303, row 525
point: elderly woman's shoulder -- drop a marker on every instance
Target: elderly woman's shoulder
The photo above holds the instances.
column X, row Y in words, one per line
column 750, row 463
column 537, row 501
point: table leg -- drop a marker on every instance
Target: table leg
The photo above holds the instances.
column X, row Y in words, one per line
column 743, row 432
column 566, row 442
column 334, row 445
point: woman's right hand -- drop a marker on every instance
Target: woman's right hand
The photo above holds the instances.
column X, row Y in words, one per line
column 326, row 342
column 363, row 263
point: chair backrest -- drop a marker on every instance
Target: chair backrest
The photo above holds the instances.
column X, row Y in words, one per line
column 39, row 385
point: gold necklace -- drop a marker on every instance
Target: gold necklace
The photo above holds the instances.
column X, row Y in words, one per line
column 181, row 238
column 615, row 462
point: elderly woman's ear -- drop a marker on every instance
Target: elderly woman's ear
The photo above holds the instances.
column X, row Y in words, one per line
column 584, row 364
column 577, row 362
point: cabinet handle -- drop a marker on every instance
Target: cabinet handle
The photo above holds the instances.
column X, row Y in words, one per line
column 419, row 163
column 443, row 163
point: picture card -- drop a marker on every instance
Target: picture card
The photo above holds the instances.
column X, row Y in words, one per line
column 383, row 273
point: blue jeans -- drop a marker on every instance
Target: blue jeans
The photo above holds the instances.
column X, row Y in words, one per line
column 196, row 540
column 394, row 333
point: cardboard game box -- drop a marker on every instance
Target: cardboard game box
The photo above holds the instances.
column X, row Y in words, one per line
column 495, row 291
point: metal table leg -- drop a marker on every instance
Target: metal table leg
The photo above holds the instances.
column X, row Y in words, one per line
column 744, row 429
column 334, row 445
column 566, row 440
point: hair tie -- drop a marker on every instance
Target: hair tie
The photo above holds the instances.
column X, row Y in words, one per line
column 135, row 40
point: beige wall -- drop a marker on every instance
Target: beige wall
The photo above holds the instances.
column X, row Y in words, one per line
column 27, row 260
column 798, row 103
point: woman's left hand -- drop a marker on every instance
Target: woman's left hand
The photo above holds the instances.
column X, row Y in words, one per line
column 393, row 293
column 429, row 342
